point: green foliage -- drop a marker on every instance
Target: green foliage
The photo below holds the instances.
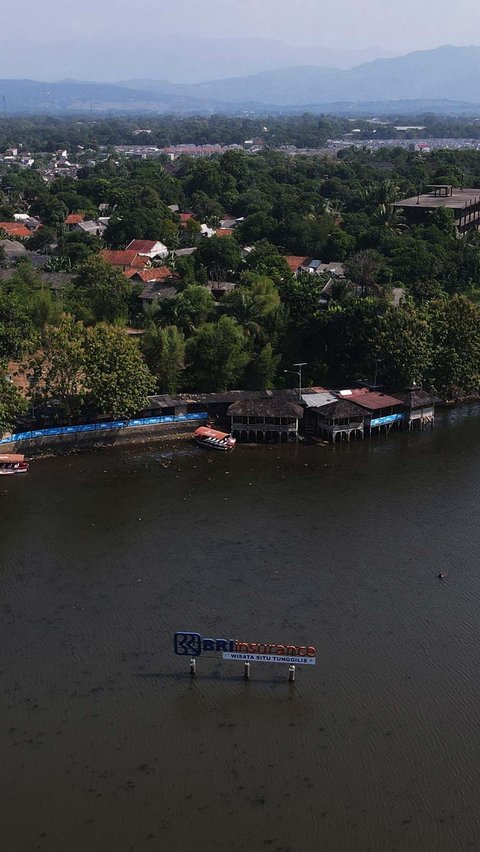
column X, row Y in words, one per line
column 164, row 351
column 192, row 307
column 17, row 334
column 262, row 369
column 218, row 352
column 333, row 209
column 117, row 381
column 78, row 247
column 62, row 365
column 405, row 346
column 221, row 256
column 455, row 360
column 12, row 403
column 104, row 289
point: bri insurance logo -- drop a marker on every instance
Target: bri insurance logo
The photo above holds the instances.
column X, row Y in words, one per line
column 190, row 644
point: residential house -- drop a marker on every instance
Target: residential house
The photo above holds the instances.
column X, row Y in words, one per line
column 13, row 251
column 313, row 266
column 96, row 229
column 219, row 289
column 74, row 219
column 16, row 230
column 124, row 258
column 156, row 292
column 159, row 283
column 294, row 262
column 30, row 222
column 148, row 248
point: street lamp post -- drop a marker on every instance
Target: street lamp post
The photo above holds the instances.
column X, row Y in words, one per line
column 377, row 362
column 299, row 374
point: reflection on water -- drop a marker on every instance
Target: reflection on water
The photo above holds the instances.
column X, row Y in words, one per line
column 108, row 744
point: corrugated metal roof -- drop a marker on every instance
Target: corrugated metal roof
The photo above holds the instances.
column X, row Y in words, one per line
column 316, row 400
column 373, row 400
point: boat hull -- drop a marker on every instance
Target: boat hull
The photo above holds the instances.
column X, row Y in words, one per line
column 212, row 439
column 211, row 445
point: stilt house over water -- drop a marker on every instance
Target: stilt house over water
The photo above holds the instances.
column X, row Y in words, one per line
column 274, row 418
column 419, row 407
column 340, row 419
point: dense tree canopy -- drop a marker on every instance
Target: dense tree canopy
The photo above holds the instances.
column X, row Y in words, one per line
column 233, row 312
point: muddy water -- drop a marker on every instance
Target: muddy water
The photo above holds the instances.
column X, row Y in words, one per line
column 107, row 745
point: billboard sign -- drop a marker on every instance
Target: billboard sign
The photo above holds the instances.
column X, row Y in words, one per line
column 188, row 644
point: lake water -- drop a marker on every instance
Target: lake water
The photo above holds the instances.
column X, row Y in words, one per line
column 108, row 745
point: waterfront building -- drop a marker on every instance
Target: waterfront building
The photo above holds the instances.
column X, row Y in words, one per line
column 382, row 411
column 340, row 419
column 419, row 407
column 275, row 418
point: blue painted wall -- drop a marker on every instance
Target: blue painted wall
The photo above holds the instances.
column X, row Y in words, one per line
column 103, row 427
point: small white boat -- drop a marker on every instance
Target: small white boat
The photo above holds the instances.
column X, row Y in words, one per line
column 11, row 464
column 211, row 439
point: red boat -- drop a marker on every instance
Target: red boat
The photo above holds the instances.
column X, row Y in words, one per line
column 11, row 464
column 211, row 439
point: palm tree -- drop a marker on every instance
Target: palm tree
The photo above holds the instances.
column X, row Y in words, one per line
column 389, row 218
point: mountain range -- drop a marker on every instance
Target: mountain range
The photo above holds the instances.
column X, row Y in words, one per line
column 447, row 75
column 180, row 58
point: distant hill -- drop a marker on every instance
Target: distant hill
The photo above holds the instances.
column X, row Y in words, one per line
column 30, row 96
column 448, row 72
column 427, row 80
column 181, row 58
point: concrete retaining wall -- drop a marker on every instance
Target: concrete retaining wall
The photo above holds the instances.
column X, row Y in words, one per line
column 71, row 439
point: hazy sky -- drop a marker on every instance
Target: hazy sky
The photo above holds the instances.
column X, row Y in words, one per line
column 396, row 25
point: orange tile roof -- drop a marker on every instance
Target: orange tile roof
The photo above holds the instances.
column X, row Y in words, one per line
column 130, row 271
column 294, row 261
column 161, row 273
column 15, row 229
column 123, row 258
column 142, row 245
column 185, row 217
column 74, row 218
column 224, row 232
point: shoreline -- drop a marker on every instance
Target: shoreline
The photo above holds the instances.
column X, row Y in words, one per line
column 68, row 445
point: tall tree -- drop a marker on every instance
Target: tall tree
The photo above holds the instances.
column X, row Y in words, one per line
column 117, row 380
column 12, row 404
column 164, row 351
column 105, row 289
column 218, row 354
column 62, row 365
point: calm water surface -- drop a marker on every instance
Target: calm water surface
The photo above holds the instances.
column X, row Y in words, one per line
column 107, row 745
